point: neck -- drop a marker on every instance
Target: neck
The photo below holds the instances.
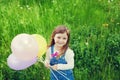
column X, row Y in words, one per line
column 58, row 48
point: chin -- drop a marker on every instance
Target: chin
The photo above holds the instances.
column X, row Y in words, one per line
column 60, row 45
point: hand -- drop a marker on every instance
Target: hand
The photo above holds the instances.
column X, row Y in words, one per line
column 54, row 67
column 47, row 65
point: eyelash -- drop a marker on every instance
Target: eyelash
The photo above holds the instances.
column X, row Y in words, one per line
column 64, row 38
column 60, row 37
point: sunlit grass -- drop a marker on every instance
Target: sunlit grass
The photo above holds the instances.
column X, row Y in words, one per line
column 91, row 23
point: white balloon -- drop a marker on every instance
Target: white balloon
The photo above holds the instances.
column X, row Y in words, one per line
column 24, row 46
column 17, row 64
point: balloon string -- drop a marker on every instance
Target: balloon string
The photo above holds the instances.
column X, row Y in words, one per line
column 53, row 74
column 60, row 72
column 41, row 59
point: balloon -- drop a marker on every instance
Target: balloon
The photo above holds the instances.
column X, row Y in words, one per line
column 17, row 64
column 42, row 44
column 24, row 46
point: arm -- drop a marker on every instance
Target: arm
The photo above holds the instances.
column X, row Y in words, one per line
column 69, row 56
column 47, row 59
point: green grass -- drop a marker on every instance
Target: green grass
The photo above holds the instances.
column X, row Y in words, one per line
column 95, row 29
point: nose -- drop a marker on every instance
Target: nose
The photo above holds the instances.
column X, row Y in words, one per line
column 61, row 40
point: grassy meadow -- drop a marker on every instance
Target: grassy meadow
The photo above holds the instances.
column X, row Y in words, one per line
column 95, row 35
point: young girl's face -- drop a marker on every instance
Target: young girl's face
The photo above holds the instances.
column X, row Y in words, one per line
column 60, row 39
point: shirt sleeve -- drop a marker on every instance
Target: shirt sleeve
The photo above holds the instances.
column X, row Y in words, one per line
column 47, row 58
column 69, row 56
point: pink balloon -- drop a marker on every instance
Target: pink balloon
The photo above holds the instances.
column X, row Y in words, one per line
column 24, row 46
column 17, row 64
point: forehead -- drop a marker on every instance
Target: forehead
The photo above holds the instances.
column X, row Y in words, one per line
column 62, row 34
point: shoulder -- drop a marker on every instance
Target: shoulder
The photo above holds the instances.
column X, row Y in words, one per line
column 48, row 49
column 69, row 52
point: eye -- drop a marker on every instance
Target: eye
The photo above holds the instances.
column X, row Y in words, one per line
column 64, row 38
column 58, row 37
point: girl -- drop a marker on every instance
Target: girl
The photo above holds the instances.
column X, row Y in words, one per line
column 59, row 57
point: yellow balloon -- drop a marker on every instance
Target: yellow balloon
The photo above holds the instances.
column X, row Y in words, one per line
column 42, row 44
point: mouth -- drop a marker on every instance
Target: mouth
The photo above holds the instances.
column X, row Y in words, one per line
column 60, row 44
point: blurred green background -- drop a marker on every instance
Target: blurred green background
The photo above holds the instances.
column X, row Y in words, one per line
column 95, row 35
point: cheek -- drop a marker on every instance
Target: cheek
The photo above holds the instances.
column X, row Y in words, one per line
column 65, row 41
column 55, row 39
